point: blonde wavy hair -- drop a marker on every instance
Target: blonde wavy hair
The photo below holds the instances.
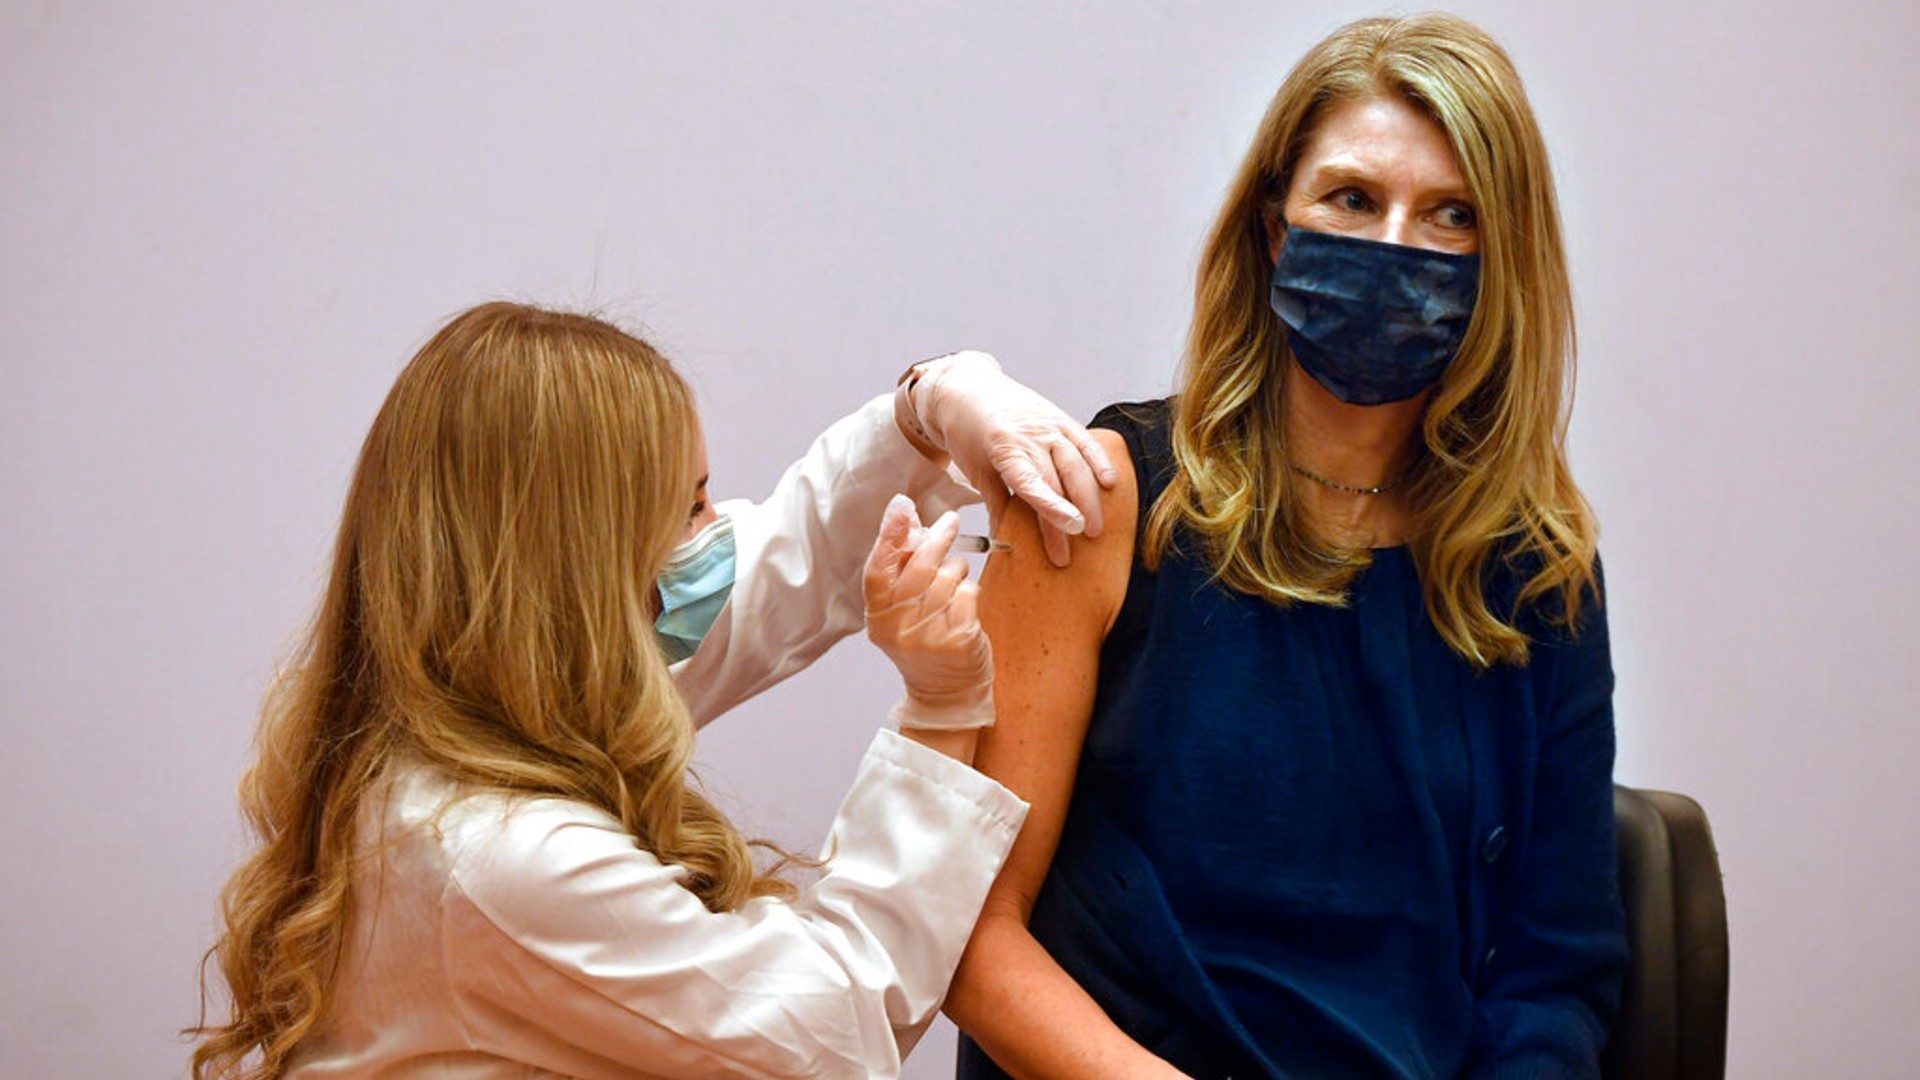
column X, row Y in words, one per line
column 489, row 613
column 1493, row 483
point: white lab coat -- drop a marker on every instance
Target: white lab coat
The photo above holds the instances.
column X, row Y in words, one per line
column 496, row 938
column 799, row 556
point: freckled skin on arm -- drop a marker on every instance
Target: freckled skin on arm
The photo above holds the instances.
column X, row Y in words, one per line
column 1047, row 626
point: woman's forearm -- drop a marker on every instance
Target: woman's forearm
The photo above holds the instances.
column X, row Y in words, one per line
column 1032, row 1018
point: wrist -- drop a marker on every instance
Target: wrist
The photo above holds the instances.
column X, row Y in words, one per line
column 919, row 393
column 968, row 710
column 958, row 745
column 907, row 418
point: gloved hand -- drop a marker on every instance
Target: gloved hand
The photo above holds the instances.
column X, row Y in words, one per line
column 999, row 432
column 921, row 612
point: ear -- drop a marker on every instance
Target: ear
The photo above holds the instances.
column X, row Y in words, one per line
column 1274, row 225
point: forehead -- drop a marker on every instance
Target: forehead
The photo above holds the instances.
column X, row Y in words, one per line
column 1384, row 138
column 699, row 449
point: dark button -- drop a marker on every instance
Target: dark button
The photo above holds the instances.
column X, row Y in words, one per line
column 1495, row 845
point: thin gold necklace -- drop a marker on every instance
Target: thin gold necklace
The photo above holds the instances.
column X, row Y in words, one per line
column 1379, row 489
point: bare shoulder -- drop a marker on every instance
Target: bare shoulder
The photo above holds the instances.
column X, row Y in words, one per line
column 1047, row 625
column 1021, row 586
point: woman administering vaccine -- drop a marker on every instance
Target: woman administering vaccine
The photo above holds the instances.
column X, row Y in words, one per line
column 480, row 855
column 757, row 591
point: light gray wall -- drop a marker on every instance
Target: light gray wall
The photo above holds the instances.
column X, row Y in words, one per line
column 224, row 227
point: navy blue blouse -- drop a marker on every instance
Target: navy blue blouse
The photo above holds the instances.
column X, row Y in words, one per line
column 1311, row 841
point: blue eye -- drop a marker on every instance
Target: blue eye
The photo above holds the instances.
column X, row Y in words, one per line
column 1350, row 199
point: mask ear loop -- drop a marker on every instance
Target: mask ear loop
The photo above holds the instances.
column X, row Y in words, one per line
column 1291, row 308
column 1273, row 218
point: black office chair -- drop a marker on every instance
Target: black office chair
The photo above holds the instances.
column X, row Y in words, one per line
column 1673, row 1010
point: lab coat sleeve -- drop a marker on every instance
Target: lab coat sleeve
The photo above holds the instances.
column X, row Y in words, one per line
column 799, row 556
column 556, row 921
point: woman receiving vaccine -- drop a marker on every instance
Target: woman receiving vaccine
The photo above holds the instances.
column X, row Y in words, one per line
column 1318, row 733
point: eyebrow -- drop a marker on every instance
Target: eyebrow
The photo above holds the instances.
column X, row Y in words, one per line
column 1340, row 173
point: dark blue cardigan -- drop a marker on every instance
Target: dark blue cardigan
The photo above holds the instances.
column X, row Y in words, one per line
column 1311, row 842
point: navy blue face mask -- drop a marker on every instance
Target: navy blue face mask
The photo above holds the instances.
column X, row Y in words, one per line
column 1372, row 322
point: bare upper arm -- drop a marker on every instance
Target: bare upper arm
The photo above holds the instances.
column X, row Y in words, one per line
column 1047, row 625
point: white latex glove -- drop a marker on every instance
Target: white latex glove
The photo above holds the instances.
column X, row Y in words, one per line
column 921, row 611
column 1006, row 437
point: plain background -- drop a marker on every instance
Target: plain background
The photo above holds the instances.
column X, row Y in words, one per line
column 223, row 228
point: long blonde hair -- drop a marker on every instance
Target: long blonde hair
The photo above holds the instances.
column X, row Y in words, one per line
column 488, row 613
column 1493, row 482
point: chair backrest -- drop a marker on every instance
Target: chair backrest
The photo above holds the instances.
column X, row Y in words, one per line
column 1673, row 1008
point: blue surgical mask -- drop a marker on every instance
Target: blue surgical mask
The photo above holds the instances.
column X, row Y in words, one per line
column 694, row 586
column 1372, row 322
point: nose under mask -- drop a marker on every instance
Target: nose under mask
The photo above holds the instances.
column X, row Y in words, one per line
column 694, row 586
column 1372, row 322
